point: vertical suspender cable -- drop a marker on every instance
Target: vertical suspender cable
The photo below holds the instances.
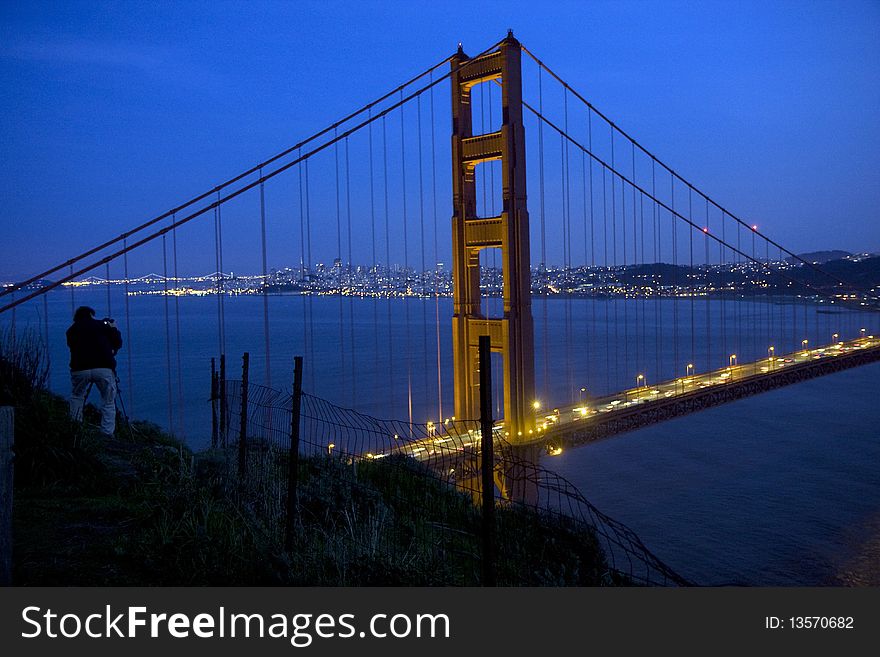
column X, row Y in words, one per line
column 585, row 335
column 436, row 260
column 780, row 302
column 692, row 285
column 642, row 292
column 72, row 296
column 309, row 261
column 128, row 345
column 423, row 273
column 374, row 271
column 222, row 275
column 219, row 278
column 46, row 335
column 388, row 267
column 406, row 271
column 302, row 236
column 707, row 287
column 657, row 284
column 180, row 403
column 739, row 298
column 543, row 268
column 768, row 298
column 167, row 336
column 302, row 265
column 628, row 370
column 265, row 285
column 566, row 250
column 753, row 291
column 593, row 298
column 675, row 289
column 338, row 268
column 606, row 282
column 350, row 282
column 635, row 262
column 723, row 261
column 107, row 278
column 616, row 287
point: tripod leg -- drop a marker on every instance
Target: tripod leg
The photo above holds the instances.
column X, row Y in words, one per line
column 121, row 407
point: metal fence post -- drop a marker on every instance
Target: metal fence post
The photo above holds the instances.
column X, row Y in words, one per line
column 223, row 407
column 242, row 432
column 7, row 438
column 293, row 459
column 487, row 461
column 215, row 385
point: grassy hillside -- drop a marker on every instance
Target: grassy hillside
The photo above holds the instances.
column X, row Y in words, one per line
column 142, row 509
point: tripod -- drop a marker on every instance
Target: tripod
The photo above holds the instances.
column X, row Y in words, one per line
column 121, row 403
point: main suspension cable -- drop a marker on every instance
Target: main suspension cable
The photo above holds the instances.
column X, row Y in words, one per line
column 220, row 200
column 232, row 180
column 638, row 145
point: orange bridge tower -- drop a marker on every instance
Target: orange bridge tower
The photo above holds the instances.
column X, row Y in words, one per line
column 512, row 334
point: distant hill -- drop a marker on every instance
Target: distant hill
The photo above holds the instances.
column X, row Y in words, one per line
column 820, row 257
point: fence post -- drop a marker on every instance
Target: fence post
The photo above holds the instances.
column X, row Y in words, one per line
column 293, row 459
column 7, row 438
column 487, row 461
column 223, row 408
column 242, row 431
column 215, row 437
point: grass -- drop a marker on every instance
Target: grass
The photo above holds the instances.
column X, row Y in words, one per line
column 142, row 509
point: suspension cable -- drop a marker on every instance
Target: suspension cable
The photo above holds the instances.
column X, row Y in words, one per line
column 234, row 179
column 543, row 66
column 220, row 200
column 625, row 180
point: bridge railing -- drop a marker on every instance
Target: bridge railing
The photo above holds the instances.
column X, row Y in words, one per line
column 385, row 501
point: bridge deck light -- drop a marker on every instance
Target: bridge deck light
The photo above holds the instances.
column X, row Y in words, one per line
column 536, row 404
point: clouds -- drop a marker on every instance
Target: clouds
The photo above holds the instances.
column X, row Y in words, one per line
column 154, row 62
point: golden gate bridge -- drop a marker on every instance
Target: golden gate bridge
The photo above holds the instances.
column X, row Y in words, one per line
column 661, row 300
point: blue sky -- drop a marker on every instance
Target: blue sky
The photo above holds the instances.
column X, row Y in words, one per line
column 114, row 112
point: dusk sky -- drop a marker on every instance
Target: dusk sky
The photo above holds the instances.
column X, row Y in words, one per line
column 114, row 112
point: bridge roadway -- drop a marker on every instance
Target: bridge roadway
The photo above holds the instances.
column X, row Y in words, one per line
column 603, row 417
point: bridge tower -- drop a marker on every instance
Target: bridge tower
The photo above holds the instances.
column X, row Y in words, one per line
column 511, row 335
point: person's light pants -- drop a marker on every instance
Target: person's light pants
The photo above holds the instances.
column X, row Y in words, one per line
column 105, row 381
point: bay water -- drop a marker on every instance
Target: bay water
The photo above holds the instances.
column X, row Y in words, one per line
column 779, row 489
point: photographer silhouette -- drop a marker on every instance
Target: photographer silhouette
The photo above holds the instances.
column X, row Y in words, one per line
column 93, row 346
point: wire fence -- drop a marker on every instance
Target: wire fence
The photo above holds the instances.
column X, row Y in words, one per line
column 371, row 501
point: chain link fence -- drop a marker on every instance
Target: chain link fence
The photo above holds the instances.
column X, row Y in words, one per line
column 371, row 501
